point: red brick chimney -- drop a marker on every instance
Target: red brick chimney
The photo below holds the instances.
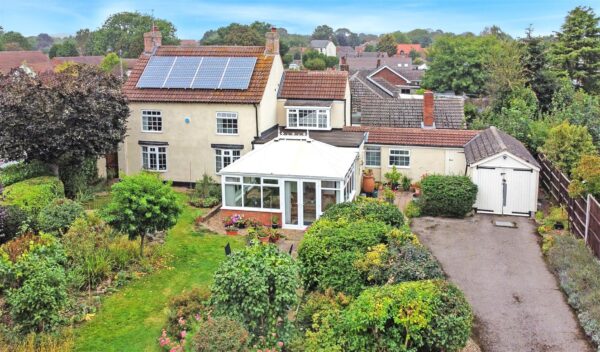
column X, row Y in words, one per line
column 428, row 109
column 152, row 40
column 272, row 42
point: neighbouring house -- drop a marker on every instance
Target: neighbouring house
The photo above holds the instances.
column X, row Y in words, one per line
column 124, row 69
column 30, row 61
column 372, row 61
column 378, row 101
column 405, row 49
column 347, row 51
column 325, row 47
column 505, row 172
column 195, row 110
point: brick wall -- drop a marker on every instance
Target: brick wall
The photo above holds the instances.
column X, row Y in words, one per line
column 262, row 216
column 391, row 77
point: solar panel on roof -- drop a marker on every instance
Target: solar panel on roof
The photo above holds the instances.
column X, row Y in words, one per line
column 156, row 72
column 197, row 72
column 182, row 73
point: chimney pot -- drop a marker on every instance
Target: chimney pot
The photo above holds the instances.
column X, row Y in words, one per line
column 152, row 40
column 378, row 63
column 272, row 42
column 428, row 110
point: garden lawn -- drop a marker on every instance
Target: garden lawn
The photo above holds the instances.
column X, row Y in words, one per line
column 132, row 319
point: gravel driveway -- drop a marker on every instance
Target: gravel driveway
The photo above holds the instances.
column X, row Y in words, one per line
column 516, row 300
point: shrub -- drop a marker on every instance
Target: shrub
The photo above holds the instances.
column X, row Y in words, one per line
column 566, row 144
column 366, row 208
column 185, row 307
column 393, row 177
column 420, row 315
column 57, row 216
column 207, row 188
column 11, row 222
column 123, row 252
column 221, row 334
column 413, row 210
column 329, row 249
column 37, row 293
column 142, row 204
column 578, row 273
column 319, row 318
column 78, row 177
column 34, row 194
column 586, row 177
column 451, row 196
column 257, row 286
column 22, row 171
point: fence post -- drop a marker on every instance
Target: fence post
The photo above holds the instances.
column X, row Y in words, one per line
column 587, row 216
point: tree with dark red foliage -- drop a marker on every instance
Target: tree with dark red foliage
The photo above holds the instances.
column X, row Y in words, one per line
column 61, row 118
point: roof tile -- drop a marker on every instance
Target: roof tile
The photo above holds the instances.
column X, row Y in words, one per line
column 36, row 60
column 415, row 136
column 324, row 85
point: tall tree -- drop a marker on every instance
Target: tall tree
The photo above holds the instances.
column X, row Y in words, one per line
column 72, row 115
column 346, row 37
column 65, row 49
column 387, row 44
column 82, row 38
column 125, row 31
column 458, row 64
column 44, row 41
column 401, row 38
column 324, row 32
column 15, row 41
column 577, row 50
column 504, row 70
column 496, row 32
column 537, row 68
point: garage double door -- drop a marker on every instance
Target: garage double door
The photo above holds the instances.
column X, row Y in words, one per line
column 504, row 191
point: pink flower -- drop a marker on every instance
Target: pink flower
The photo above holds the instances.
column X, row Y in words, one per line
column 280, row 343
column 183, row 333
column 197, row 316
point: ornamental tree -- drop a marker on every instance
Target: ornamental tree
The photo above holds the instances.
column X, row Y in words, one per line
column 586, row 177
column 61, row 118
column 566, row 144
column 257, row 287
column 142, row 204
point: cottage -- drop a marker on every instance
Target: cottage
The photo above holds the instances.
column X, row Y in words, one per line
column 325, row 47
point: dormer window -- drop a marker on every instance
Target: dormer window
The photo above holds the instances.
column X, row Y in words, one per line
column 314, row 118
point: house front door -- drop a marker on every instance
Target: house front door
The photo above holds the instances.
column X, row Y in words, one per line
column 301, row 203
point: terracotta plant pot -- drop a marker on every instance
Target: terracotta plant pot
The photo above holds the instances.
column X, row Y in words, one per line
column 368, row 184
column 417, row 192
column 231, row 232
column 264, row 239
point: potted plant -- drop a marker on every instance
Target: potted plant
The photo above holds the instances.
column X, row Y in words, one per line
column 368, row 181
column 274, row 221
column 274, row 235
column 231, row 230
column 405, row 183
column 393, row 177
column 389, row 195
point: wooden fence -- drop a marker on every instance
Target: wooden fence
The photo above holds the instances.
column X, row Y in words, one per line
column 584, row 212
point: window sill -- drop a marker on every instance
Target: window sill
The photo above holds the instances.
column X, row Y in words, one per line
column 263, row 210
column 399, row 167
column 309, row 128
column 373, row 166
column 227, row 134
column 157, row 171
column 155, row 132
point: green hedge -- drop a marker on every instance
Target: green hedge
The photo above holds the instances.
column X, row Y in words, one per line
column 23, row 171
column 366, row 208
column 57, row 217
column 34, row 194
column 329, row 249
column 411, row 316
column 451, row 196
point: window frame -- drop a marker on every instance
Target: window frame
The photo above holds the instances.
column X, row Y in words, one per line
column 263, row 182
column 408, row 155
column 237, row 124
column 157, row 154
column 222, row 155
column 367, row 159
column 159, row 115
column 296, row 110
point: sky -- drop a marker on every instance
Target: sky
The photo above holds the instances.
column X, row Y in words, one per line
column 193, row 18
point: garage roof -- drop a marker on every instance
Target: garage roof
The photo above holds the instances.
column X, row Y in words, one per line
column 492, row 141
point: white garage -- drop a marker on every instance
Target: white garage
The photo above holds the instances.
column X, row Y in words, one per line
column 505, row 173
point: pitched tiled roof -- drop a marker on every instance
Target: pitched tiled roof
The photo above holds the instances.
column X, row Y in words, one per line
column 408, row 73
column 365, row 61
column 92, row 60
column 493, row 141
column 379, row 109
column 415, row 136
column 407, row 48
column 36, row 60
column 318, row 43
column 327, row 85
column 252, row 95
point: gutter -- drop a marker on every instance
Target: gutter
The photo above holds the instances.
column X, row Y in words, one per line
column 256, row 118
